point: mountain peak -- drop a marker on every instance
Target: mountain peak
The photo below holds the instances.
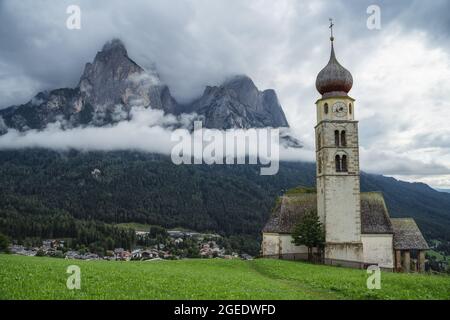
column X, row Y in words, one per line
column 238, row 103
column 108, row 81
column 114, row 45
column 240, row 80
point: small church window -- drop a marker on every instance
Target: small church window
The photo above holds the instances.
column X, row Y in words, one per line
column 319, row 141
column 350, row 108
column 344, row 164
column 336, row 138
column 337, row 161
column 343, row 139
column 326, row 108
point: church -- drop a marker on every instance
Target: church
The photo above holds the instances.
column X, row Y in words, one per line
column 358, row 229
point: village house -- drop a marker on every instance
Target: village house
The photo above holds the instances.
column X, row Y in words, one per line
column 211, row 250
column 122, row 255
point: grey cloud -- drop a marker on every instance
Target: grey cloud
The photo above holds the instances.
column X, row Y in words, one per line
column 194, row 43
column 392, row 163
column 432, row 140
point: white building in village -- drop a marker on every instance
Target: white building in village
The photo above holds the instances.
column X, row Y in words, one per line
column 357, row 225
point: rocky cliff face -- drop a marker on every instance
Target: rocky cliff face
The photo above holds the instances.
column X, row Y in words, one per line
column 109, row 87
column 239, row 104
column 114, row 81
column 113, row 84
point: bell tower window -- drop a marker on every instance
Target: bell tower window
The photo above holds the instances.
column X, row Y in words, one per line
column 341, row 163
column 325, row 108
column 337, row 161
column 336, row 138
column 344, row 167
column 350, row 108
column 343, row 139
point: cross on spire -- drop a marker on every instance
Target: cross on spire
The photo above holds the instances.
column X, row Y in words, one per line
column 331, row 29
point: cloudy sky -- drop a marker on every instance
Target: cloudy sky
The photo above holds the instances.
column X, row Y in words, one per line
column 401, row 72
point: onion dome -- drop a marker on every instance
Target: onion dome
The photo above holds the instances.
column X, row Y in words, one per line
column 334, row 79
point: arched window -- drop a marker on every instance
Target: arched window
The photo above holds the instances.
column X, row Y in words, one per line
column 325, row 107
column 319, row 141
column 337, row 161
column 336, row 138
column 350, row 108
column 343, row 139
column 344, row 164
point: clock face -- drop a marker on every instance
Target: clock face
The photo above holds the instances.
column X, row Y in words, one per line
column 340, row 109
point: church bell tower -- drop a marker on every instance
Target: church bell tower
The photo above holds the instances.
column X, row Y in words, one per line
column 337, row 155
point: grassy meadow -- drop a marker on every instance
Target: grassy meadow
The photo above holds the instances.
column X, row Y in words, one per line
column 45, row 278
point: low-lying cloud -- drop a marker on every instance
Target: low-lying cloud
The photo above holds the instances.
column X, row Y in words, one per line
column 148, row 130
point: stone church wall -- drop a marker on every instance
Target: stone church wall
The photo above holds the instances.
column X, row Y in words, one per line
column 378, row 249
column 343, row 252
column 280, row 244
column 342, row 202
column 270, row 244
column 288, row 247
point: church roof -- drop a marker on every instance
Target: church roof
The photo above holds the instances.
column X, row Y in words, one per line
column 291, row 208
column 407, row 235
column 374, row 214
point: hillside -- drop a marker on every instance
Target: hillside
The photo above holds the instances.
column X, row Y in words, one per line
column 430, row 208
column 37, row 186
column 45, row 278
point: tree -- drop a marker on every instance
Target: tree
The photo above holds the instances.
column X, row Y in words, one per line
column 310, row 233
column 4, row 243
column 156, row 231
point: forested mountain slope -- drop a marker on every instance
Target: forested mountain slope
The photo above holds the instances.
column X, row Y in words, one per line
column 146, row 188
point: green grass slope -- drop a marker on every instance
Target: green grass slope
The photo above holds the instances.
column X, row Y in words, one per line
column 45, row 278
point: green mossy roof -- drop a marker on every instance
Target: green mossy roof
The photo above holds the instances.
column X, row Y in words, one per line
column 407, row 235
column 292, row 206
column 374, row 214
